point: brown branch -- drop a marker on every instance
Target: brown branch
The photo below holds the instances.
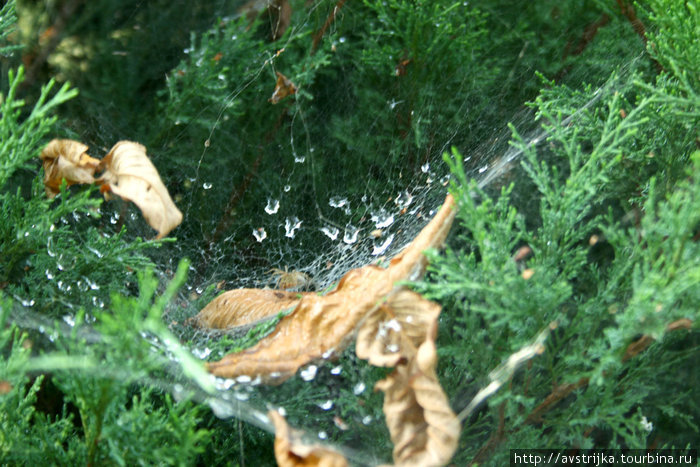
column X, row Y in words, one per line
column 54, row 35
column 643, row 342
column 331, row 17
column 559, row 393
column 494, row 440
column 589, row 33
column 237, row 194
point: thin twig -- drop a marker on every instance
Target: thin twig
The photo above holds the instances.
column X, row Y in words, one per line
column 331, row 17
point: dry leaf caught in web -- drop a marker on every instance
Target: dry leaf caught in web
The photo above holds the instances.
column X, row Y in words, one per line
column 395, row 330
column 290, row 451
column 321, row 326
column 283, row 88
column 66, row 159
column 131, row 175
column 423, row 427
column 243, row 306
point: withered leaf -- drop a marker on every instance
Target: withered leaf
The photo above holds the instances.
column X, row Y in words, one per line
column 395, row 330
column 66, row 159
column 320, row 326
column 240, row 307
column 423, row 427
column 131, row 175
column 283, row 88
column 291, row 451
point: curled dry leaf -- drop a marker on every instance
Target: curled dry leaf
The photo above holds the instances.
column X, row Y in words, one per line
column 320, row 326
column 423, row 427
column 395, row 330
column 131, row 175
column 290, row 451
column 283, row 88
column 242, row 307
column 66, row 159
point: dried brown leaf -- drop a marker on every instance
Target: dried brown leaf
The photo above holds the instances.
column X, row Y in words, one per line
column 291, row 451
column 423, row 427
column 283, row 88
column 131, row 175
column 320, row 326
column 395, row 330
column 66, row 159
column 244, row 306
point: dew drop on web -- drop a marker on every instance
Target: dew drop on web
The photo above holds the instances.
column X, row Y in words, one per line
column 309, row 373
column 338, row 202
column 259, row 234
column 331, row 232
column 351, row 233
column 382, row 219
column 380, row 249
column 273, row 205
column 291, row 225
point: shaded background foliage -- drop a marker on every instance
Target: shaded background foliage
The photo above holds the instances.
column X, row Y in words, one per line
column 388, row 87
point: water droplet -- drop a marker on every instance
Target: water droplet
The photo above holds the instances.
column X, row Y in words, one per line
column 95, row 251
column 199, row 289
column 91, row 284
column 309, row 373
column 49, row 245
column 359, row 388
column 287, row 188
column 273, row 205
column 425, row 167
column 331, row 232
column 342, row 40
column 97, row 302
column 52, row 228
column 206, row 186
column 367, row 419
column 299, row 159
column 26, row 303
column 49, row 275
column 69, row 319
column 291, row 224
column 382, row 219
column 114, row 218
column 327, row 405
column 403, row 199
column 201, row 353
column 322, row 435
column 221, row 409
column 259, row 234
column 350, row 235
column 224, row 384
column 337, row 202
column 483, row 169
column 380, row 249
column 445, row 180
column 336, row 370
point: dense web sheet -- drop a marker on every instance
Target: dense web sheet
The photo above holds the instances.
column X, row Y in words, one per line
column 300, row 222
